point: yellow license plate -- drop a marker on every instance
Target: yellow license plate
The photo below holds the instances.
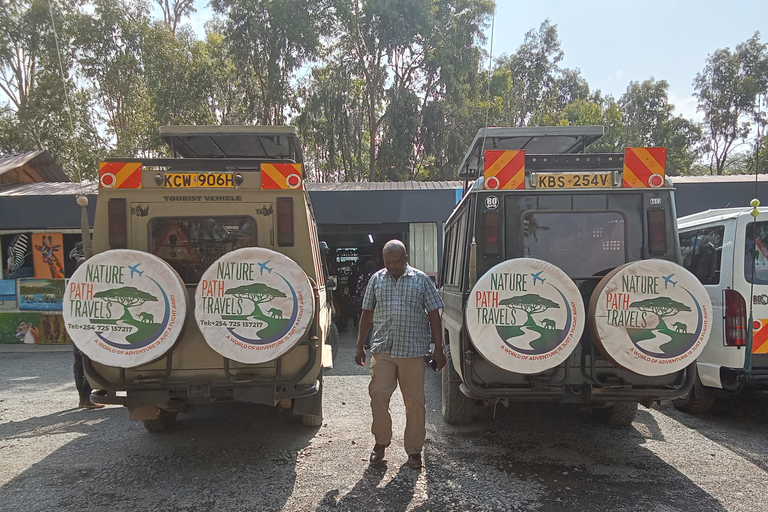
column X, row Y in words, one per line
column 574, row 180
column 197, row 180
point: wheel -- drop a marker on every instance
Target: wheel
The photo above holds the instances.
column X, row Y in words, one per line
column 458, row 409
column 333, row 339
column 312, row 420
column 163, row 421
column 618, row 414
column 697, row 401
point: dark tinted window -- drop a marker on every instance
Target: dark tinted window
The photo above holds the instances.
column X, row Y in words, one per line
column 580, row 243
column 756, row 253
column 191, row 244
column 701, row 251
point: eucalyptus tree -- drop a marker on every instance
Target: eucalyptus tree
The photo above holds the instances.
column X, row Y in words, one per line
column 174, row 11
column 648, row 120
column 270, row 41
column 727, row 91
column 42, row 106
column 111, row 43
column 533, row 72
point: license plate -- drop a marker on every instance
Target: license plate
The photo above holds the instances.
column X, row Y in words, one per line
column 574, row 180
column 197, row 180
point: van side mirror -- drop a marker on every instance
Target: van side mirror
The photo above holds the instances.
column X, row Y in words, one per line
column 324, row 248
column 330, row 284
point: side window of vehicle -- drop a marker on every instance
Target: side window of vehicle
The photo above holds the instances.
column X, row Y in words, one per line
column 702, row 253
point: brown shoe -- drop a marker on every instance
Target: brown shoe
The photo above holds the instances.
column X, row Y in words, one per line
column 90, row 405
column 377, row 454
column 414, row 461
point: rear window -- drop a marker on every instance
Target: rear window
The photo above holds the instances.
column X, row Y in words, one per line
column 581, row 243
column 702, row 251
column 756, row 253
column 191, row 244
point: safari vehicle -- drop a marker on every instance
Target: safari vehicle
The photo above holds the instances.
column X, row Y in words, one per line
column 727, row 250
column 561, row 278
column 207, row 279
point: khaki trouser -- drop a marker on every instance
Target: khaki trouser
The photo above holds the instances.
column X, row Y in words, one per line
column 386, row 373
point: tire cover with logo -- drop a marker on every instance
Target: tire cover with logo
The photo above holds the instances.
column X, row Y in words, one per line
column 525, row 315
column 125, row 308
column 651, row 317
column 253, row 305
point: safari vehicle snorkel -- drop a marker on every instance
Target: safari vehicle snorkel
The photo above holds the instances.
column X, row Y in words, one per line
column 578, row 295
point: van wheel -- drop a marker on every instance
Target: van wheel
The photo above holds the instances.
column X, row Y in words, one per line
column 697, row 401
column 163, row 421
column 620, row 414
column 312, row 420
column 333, row 339
column 458, row 409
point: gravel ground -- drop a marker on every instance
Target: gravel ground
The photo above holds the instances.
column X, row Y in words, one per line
column 530, row 457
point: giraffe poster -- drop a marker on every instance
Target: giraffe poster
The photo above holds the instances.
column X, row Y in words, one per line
column 48, row 255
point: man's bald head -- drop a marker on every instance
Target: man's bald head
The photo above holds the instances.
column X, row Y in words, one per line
column 395, row 257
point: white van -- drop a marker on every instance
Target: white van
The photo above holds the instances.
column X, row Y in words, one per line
column 727, row 249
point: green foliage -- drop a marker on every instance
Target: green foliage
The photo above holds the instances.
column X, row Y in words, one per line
column 727, row 91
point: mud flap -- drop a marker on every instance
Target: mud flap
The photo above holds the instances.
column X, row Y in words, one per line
column 312, row 404
column 142, row 405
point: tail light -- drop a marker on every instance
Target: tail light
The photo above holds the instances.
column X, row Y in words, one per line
column 735, row 321
column 285, row 221
column 117, row 213
column 491, row 232
column 657, row 232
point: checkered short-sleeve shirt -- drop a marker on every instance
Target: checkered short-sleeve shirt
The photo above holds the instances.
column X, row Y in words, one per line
column 400, row 321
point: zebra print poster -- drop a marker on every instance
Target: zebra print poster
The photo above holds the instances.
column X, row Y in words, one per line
column 17, row 255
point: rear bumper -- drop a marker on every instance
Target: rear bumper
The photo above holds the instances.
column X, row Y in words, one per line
column 583, row 393
column 734, row 379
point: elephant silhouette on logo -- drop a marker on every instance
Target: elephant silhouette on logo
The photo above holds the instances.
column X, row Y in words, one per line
column 680, row 327
column 548, row 323
column 146, row 318
column 276, row 313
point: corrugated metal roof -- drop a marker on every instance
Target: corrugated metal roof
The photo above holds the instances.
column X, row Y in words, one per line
column 47, row 189
column 385, row 185
column 41, row 161
column 729, row 178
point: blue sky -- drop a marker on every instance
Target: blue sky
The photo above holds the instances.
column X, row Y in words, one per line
column 615, row 42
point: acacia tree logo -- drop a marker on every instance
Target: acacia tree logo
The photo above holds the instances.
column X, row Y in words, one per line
column 661, row 307
column 128, row 297
column 531, row 304
column 258, row 293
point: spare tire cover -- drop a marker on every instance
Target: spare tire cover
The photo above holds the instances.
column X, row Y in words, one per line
column 124, row 308
column 525, row 315
column 253, row 305
column 651, row 317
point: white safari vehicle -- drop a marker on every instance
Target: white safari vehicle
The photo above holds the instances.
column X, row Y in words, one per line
column 727, row 250
column 207, row 281
column 562, row 280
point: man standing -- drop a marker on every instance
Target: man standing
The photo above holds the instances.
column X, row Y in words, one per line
column 402, row 305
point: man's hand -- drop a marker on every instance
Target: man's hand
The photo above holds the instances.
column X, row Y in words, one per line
column 439, row 357
column 360, row 356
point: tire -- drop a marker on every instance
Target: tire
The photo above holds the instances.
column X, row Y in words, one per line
column 697, row 401
column 620, row 414
column 162, row 423
column 333, row 339
column 458, row 409
column 312, row 420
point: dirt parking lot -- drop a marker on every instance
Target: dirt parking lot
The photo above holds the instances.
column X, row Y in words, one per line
column 225, row 457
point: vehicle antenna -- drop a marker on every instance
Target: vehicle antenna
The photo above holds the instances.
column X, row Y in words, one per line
column 481, row 161
column 755, row 212
column 82, row 200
